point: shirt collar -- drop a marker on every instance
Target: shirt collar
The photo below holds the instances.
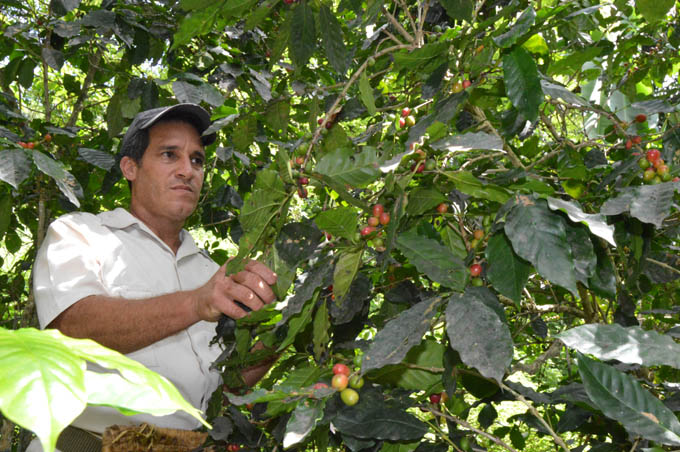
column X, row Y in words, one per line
column 120, row 218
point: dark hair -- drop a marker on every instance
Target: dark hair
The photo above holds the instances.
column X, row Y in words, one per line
column 136, row 144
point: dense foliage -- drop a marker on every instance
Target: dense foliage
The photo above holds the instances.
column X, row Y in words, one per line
column 466, row 202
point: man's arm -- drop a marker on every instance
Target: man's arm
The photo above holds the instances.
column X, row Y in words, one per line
column 128, row 325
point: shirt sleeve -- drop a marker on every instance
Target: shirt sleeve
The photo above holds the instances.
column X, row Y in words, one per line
column 66, row 269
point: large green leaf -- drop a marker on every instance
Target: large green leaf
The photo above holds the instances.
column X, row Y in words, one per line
column 470, row 185
column 517, row 30
column 195, row 23
column 367, row 93
column 339, row 222
column 421, row 57
column 416, row 369
column 345, row 270
column 631, row 345
column 68, row 184
column 306, row 415
column 422, row 199
column 459, row 9
column 302, row 34
column 344, row 166
column 478, row 333
column 596, row 223
column 522, row 83
column 469, row 141
column 654, row 10
column 44, row 384
column 433, row 259
column 5, row 214
column 381, row 422
column 507, row 272
column 647, row 203
column 15, row 166
column 619, row 396
column 332, row 39
column 276, row 116
column 399, row 335
column 540, row 237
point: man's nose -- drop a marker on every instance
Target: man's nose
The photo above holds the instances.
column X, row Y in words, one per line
column 184, row 168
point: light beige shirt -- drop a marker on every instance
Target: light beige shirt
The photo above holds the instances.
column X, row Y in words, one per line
column 115, row 254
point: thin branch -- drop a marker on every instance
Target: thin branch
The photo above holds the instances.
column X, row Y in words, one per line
column 538, row 416
column 404, row 6
column 352, row 80
column 663, row 264
column 398, row 26
column 464, row 424
column 80, row 102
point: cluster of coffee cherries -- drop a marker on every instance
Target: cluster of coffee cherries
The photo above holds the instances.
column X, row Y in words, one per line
column 347, row 383
column 655, row 169
column 476, row 268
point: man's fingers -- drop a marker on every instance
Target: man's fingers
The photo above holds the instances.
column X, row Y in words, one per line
column 262, row 270
column 243, row 294
column 257, row 284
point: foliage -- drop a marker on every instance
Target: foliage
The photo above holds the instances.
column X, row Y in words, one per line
column 45, row 385
column 529, row 121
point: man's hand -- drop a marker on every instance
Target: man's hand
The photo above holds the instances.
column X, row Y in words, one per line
column 250, row 287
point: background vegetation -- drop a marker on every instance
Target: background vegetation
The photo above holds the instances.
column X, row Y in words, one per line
column 517, row 136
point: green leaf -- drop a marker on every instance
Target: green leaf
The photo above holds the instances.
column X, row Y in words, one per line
column 68, row 184
column 478, row 333
column 367, row 93
column 5, row 214
column 357, row 170
column 620, row 397
column 596, row 223
column 318, row 277
column 452, row 239
column 507, row 272
column 517, row 30
column 296, row 324
column 244, row 133
column 297, row 241
column 522, row 84
column 44, row 384
column 400, row 334
column 320, row 329
column 415, row 370
column 539, row 236
column 339, row 222
column 559, row 92
column 470, row 185
column 422, row 199
column 101, row 159
column 654, row 10
column 335, row 139
column 303, row 420
column 647, row 203
column 15, row 166
column 469, row 141
column 582, row 252
column 345, row 271
column 53, row 58
column 420, row 58
column 382, row 423
column 332, row 39
column 195, row 23
column 433, row 259
column 459, row 9
column 631, row 345
column 302, row 35
column 186, row 92
column 276, row 116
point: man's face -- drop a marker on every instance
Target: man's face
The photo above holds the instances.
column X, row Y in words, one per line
column 167, row 182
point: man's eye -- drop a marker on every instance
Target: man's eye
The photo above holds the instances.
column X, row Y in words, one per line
column 198, row 161
column 168, row 154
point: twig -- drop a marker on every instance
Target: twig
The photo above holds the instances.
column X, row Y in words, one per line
column 533, row 410
column 663, row 264
column 464, row 424
column 355, row 76
column 398, row 26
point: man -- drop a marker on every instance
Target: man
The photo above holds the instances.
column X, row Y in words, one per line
column 136, row 282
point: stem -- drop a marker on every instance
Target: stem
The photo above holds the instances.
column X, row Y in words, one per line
column 533, row 410
column 464, row 424
column 398, row 26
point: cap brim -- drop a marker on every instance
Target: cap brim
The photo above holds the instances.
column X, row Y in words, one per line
column 193, row 110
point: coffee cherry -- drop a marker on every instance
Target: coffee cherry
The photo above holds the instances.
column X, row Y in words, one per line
column 349, row 396
column 435, row 398
column 442, row 208
column 475, row 270
column 641, row 118
column 356, row 382
column 378, row 209
column 367, row 230
column 405, row 112
column 373, row 221
column 339, row 381
column 478, row 234
column 384, row 218
column 340, row 368
column 652, row 155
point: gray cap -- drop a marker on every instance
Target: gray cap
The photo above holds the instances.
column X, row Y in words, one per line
column 148, row 118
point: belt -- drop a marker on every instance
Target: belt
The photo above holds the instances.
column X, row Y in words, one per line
column 74, row 439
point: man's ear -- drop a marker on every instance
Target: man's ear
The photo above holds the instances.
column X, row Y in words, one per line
column 129, row 168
